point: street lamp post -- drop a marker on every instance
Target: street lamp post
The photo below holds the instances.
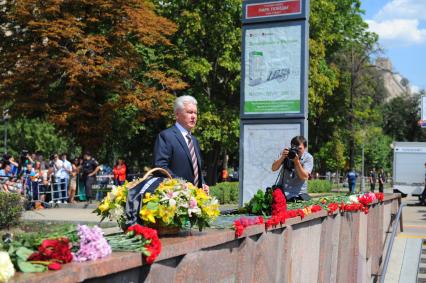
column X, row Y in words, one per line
column 6, row 117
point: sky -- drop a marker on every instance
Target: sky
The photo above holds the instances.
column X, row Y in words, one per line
column 401, row 26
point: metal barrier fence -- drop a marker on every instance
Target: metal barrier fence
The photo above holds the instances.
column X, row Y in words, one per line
column 54, row 192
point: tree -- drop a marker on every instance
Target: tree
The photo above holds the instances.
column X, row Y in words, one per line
column 344, row 86
column 37, row 135
column 78, row 62
column 401, row 115
column 208, row 41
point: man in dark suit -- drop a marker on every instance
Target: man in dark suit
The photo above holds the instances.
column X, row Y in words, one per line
column 176, row 149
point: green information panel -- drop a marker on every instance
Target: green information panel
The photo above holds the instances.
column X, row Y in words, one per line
column 273, row 68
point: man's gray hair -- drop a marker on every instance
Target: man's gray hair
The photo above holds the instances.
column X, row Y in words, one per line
column 181, row 101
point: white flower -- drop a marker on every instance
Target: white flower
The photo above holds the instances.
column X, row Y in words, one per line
column 172, row 202
column 353, row 199
column 196, row 210
column 6, row 267
column 116, row 213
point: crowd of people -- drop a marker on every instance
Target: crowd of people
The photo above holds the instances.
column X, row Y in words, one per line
column 53, row 180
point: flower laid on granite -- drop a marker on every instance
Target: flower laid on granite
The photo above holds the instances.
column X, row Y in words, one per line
column 279, row 209
column 57, row 250
column 332, row 207
column 243, row 222
column 295, row 213
column 353, row 199
column 6, row 267
column 93, row 245
column 50, row 254
column 367, row 198
column 380, row 196
column 180, row 204
column 281, row 212
column 138, row 239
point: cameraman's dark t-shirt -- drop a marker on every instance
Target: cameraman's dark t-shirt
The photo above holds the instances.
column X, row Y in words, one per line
column 89, row 166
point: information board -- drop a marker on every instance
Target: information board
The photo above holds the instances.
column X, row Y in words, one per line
column 262, row 144
column 273, row 70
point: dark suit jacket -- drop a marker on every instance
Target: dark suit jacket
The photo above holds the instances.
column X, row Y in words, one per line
column 171, row 153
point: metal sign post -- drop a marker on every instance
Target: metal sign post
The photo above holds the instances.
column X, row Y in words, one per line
column 274, row 86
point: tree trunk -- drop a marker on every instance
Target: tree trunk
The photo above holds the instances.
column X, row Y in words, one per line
column 211, row 165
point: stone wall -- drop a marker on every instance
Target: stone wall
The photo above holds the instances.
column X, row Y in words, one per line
column 320, row 248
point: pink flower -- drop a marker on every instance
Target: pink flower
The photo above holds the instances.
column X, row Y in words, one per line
column 192, row 203
column 93, row 245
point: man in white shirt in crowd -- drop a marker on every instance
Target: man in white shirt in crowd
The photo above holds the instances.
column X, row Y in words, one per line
column 60, row 191
column 67, row 171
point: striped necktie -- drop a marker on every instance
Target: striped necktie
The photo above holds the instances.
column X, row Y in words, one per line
column 193, row 158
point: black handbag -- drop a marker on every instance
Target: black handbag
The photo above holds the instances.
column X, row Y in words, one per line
column 136, row 192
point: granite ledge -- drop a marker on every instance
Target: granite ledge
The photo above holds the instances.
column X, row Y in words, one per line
column 182, row 244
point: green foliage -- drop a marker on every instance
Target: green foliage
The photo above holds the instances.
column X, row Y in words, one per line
column 377, row 150
column 209, row 43
column 226, row 192
column 319, row 186
column 332, row 155
column 401, row 115
column 38, row 135
column 261, row 203
column 11, row 206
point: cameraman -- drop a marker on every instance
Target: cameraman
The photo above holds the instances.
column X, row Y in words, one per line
column 297, row 165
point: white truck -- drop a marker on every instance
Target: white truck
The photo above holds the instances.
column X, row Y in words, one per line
column 409, row 160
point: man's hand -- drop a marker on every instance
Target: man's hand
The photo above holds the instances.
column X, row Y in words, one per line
column 284, row 153
column 206, row 188
column 296, row 158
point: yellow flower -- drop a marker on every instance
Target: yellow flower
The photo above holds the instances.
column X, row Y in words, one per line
column 147, row 215
column 166, row 213
column 149, row 198
column 211, row 210
column 121, row 195
column 104, row 206
column 201, row 195
column 307, row 210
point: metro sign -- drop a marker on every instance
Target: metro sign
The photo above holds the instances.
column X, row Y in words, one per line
column 273, row 9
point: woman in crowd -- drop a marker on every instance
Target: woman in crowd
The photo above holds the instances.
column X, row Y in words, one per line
column 73, row 179
column 119, row 172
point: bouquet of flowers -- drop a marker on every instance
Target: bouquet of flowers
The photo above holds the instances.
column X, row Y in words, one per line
column 93, row 245
column 176, row 203
column 113, row 205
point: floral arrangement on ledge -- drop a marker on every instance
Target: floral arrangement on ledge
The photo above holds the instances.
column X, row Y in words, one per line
column 176, row 203
column 34, row 252
column 280, row 211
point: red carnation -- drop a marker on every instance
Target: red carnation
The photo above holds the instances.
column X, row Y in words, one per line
column 54, row 266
